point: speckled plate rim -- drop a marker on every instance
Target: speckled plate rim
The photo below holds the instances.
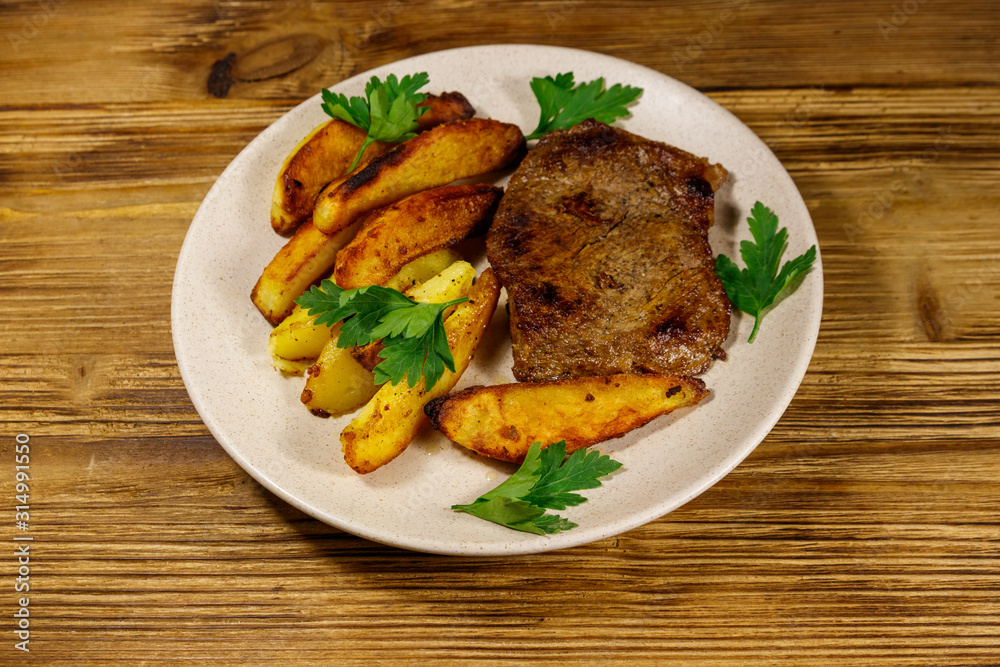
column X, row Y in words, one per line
column 219, row 338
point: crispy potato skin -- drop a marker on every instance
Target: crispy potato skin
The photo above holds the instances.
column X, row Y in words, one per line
column 419, row 224
column 322, row 157
column 306, row 257
column 310, row 254
column 326, row 153
column 444, row 108
column 502, row 421
column 449, row 152
column 367, row 355
column 387, row 424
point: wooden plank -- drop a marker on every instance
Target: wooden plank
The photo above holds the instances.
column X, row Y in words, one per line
column 864, row 529
column 165, row 51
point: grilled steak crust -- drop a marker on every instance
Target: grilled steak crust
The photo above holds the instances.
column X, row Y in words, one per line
column 602, row 244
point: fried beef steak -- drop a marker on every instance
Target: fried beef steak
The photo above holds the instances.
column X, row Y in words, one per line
column 602, row 244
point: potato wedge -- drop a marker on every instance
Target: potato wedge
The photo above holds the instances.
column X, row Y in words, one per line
column 421, row 269
column 387, row 424
column 452, row 283
column 447, row 153
column 503, row 421
column 337, row 384
column 414, row 226
column 444, row 108
column 297, row 342
column 367, row 355
column 325, row 154
column 307, row 256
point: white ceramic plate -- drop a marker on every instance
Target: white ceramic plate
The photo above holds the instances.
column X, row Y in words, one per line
column 255, row 413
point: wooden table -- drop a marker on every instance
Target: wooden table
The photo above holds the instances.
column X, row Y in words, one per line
column 864, row 529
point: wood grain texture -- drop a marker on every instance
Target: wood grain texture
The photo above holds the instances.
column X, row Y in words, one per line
column 864, row 529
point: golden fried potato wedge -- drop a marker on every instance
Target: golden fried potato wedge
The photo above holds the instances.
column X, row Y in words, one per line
column 447, row 153
column 387, row 424
column 444, row 108
column 452, row 283
column 337, row 384
column 324, row 155
column 297, row 342
column 421, row 269
column 289, row 366
column 503, row 421
column 414, row 226
column 307, row 256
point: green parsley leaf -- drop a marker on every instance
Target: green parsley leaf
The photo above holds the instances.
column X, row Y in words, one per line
column 517, row 514
column 581, row 470
column 755, row 288
column 545, row 480
column 522, row 481
column 413, row 333
column 551, row 523
column 365, row 306
column 388, row 111
column 562, row 105
column 410, row 322
column 402, row 358
column 323, row 300
column 427, row 354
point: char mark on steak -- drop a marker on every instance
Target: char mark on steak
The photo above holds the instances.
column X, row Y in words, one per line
column 602, row 244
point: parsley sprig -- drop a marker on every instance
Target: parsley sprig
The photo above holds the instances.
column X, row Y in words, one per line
column 563, row 105
column 546, row 480
column 413, row 333
column 388, row 111
column 755, row 288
